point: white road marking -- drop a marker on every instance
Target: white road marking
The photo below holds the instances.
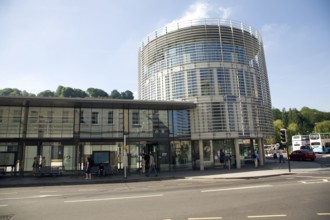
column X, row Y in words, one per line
column 236, row 188
column 117, row 198
column 8, row 193
column 323, row 214
column 314, row 181
column 29, row 197
column 86, row 190
column 205, row 218
column 267, row 216
column 3, row 205
column 314, row 177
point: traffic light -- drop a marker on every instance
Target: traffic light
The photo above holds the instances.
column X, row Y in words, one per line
column 283, row 135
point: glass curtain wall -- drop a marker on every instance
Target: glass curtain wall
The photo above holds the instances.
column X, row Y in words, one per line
column 64, row 137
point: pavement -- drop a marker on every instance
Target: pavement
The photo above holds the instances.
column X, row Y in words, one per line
column 246, row 172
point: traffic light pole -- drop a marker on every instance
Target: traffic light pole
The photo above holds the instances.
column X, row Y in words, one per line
column 283, row 138
column 288, row 156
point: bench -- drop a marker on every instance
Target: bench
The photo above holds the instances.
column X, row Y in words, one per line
column 106, row 170
column 48, row 170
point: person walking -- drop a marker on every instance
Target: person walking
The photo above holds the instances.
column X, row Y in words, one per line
column 88, row 169
column 143, row 164
column 275, row 155
column 255, row 157
column 281, row 157
column 152, row 165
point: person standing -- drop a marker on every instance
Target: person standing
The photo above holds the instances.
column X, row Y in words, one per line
column 222, row 157
column 281, row 157
column 35, row 165
column 152, row 165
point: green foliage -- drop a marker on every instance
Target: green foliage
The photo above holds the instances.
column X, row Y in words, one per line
column 97, row 93
column 127, row 95
column 14, row 92
column 68, row 92
column 322, row 127
column 46, row 93
column 278, row 124
column 305, row 121
column 115, row 94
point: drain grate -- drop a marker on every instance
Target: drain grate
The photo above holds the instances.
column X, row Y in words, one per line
column 6, row 217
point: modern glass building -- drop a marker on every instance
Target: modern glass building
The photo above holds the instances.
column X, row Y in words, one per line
column 203, row 90
column 219, row 65
column 62, row 132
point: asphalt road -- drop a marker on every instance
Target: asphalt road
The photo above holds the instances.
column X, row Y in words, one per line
column 303, row 196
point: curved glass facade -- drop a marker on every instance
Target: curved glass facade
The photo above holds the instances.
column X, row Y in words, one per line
column 218, row 64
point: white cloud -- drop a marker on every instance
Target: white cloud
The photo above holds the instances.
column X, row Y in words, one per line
column 199, row 10
column 226, row 12
column 196, row 11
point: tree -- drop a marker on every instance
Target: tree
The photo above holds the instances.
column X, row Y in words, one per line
column 97, row 93
column 127, row 95
column 322, row 127
column 290, row 131
column 59, row 91
column 68, row 92
column 115, row 94
column 285, row 118
column 79, row 93
column 46, row 93
column 277, row 114
column 278, row 124
column 10, row 92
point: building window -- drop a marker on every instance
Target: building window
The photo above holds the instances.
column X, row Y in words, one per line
column 178, row 87
column 192, row 83
column 95, row 118
column 34, row 116
column 82, row 120
column 17, row 116
column 1, row 115
column 136, row 118
column 110, row 117
column 65, row 118
column 50, row 116
column 207, row 82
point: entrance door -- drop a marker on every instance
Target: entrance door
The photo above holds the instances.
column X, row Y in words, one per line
column 150, row 148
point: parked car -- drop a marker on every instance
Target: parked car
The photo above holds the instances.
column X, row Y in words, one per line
column 302, row 155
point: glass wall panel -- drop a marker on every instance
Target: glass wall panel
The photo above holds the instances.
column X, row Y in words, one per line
column 11, row 122
column 181, row 154
column 226, row 147
column 141, row 123
column 179, row 123
column 46, row 122
column 101, row 123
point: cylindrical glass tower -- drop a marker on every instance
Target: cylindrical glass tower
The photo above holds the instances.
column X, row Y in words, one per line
column 220, row 65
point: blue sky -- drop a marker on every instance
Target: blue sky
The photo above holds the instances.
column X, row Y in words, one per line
column 94, row 43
